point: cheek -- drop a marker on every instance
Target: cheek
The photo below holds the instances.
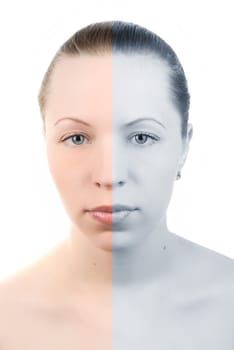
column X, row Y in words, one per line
column 158, row 165
column 67, row 179
column 64, row 171
column 155, row 174
column 157, row 189
column 57, row 165
column 158, row 183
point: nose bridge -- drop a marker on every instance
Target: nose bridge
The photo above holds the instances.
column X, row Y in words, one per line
column 119, row 161
column 110, row 163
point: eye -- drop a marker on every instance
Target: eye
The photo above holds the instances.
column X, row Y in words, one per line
column 142, row 137
column 77, row 139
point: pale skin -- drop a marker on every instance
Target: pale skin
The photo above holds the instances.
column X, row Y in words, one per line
column 137, row 287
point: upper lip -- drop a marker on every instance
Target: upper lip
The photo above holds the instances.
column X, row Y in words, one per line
column 113, row 208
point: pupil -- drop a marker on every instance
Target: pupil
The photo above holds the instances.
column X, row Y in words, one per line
column 142, row 137
column 78, row 138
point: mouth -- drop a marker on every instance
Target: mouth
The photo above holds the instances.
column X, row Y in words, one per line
column 111, row 215
column 113, row 208
column 111, row 218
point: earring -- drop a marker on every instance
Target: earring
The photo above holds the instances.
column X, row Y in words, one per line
column 178, row 175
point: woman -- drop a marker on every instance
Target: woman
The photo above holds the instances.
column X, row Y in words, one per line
column 115, row 106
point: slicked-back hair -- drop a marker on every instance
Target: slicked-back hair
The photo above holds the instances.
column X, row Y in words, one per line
column 126, row 38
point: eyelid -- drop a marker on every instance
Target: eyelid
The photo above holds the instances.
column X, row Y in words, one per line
column 69, row 136
column 155, row 137
column 65, row 138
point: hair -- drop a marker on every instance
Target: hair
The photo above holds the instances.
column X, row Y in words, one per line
column 127, row 38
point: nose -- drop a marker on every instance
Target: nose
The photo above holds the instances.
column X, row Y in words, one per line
column 110, row 170
column 109, row 185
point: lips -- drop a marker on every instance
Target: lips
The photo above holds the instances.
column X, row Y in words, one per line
column 112, row 208
column 112, row 214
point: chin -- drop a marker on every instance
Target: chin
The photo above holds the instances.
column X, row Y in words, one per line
column 103, row 241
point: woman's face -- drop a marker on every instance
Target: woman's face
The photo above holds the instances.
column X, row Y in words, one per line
column 126, row 148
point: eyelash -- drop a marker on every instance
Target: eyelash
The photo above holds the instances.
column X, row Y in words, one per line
column 151, row 136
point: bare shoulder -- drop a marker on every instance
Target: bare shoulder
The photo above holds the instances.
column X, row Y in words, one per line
column 209, row 273
column 32, row 292
column 207, row 260
column 15, row 297
column 24, row 297
column 10, row 308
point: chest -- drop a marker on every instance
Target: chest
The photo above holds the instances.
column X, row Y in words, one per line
column 165, row 323
column 193, row 321
column 54, row 332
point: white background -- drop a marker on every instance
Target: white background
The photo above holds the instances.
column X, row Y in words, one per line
column 201, row 32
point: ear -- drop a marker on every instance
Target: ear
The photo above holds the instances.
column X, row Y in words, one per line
column 186, row 143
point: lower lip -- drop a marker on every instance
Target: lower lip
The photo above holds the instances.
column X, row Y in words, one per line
column 110, row 218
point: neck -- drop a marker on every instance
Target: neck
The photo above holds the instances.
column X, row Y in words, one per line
column 144, row 263
column 140, row 265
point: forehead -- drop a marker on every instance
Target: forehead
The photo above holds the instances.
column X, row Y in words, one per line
column 140, row 83
column 116, row 85
column 138, row 69
column 80, row 85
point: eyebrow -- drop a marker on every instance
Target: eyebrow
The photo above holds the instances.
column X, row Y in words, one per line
column 145, row 119
column 142, row 119
column 75, row 119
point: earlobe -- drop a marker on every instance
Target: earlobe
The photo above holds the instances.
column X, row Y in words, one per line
column 189, row 132
column 178, row 176
column 185, row 150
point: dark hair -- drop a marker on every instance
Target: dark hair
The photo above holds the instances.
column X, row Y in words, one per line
column 127, row 38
